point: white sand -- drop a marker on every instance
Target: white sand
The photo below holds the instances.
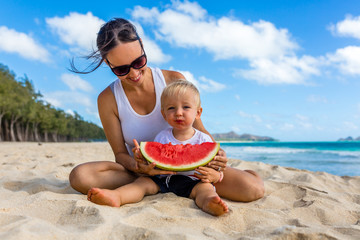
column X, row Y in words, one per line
column 36, row 202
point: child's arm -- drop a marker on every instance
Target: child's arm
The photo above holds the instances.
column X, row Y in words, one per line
column 209, row 175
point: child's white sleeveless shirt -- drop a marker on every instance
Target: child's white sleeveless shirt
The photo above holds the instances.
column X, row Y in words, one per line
column 136, row 126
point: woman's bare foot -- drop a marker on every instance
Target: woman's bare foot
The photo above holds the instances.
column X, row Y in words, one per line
column 104, row 197
column 215, row 206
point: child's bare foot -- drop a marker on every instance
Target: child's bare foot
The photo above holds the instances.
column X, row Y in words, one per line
column 104, row 197
column 215, row 206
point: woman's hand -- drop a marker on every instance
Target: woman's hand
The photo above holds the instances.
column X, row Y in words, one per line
column 143, row 166
column 219, row 162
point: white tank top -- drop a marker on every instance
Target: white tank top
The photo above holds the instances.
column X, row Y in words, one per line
column 136, row 126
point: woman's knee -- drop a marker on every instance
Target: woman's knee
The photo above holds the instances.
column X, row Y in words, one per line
column 77, row 177
column 258, row 185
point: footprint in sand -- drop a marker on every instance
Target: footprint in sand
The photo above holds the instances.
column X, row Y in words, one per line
column 37, row 185
column 81, row 216
column 8, row 219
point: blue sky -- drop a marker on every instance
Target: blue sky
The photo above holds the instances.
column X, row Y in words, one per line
column 285, row 69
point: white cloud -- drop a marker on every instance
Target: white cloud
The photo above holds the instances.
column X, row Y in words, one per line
column 203, row 83
column 23, row 44
column 153, row 51
column 253, row 117
column 269, row 50
column 209, row 85
column 146, row 14
column 284, row 70
column 303, row 121
column 74, row 82
column 287, row 127
column 235, row 129
column 62, row 99
column 306, row 125
column 350, row 27
column 94, row 112
column 317, row 99
column 71, row 112
column 78, row 30
column 237, row 97
column 350, row 125
column 301, row 117
column 346, row 59
column 225, row 38
column 191, row 8
column 53, row 100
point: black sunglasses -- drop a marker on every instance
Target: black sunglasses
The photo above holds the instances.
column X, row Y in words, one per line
column 136, row 64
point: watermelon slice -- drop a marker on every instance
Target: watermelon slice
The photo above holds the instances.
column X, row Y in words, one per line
column 179, row 157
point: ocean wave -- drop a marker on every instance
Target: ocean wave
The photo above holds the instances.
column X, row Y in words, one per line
column 269, row 150
column 272, row 150
column 344, row 153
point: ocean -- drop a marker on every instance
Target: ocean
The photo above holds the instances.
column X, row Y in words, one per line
column 338, row 158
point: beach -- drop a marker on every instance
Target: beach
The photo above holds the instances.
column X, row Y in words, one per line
column 37, row 202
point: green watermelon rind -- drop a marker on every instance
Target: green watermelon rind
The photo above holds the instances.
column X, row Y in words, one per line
column 189, row 167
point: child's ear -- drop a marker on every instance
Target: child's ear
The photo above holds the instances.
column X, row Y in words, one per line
column 163, row 114
column 198, row 113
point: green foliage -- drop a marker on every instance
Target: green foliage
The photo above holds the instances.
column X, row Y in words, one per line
column 25, row 117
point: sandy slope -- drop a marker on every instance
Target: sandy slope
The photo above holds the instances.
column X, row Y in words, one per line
column 36, row 202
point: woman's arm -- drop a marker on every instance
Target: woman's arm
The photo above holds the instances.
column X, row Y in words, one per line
column 112, row 127
column 172, row 76
column 200, row 126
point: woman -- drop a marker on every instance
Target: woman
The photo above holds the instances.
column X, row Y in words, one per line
column 130, row 109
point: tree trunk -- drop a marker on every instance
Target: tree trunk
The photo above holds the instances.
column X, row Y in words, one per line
column 7, row 130
column 1, row 132
column 26, row 135
column 54, row 136
column 12, row 123
column 12, row 134
column 36, row 134
column 46, row 136
column 19, row 131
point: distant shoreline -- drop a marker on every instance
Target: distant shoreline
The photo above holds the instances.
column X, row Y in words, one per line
column 236, row 141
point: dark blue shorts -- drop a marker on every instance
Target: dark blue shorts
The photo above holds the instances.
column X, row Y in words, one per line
column 181, row 185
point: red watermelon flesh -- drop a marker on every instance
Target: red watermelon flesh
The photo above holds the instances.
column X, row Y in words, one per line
column 179, row 157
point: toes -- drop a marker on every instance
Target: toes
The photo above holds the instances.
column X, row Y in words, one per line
column 89, row 194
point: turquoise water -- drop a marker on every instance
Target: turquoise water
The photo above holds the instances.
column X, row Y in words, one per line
column 339, row 158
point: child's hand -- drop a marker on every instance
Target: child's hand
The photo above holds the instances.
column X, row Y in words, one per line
column 137, row 153
column 144, row 167
column 208, row 175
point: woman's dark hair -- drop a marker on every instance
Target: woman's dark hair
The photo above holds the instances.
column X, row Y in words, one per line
column 111, row 34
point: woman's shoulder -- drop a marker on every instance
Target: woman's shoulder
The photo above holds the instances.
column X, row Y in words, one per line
column 172, row 76
column 105, row 94
column 106, row 98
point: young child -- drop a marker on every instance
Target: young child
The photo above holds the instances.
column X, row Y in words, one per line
column 180, row 106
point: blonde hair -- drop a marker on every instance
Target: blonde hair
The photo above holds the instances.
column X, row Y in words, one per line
column 179, row 88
